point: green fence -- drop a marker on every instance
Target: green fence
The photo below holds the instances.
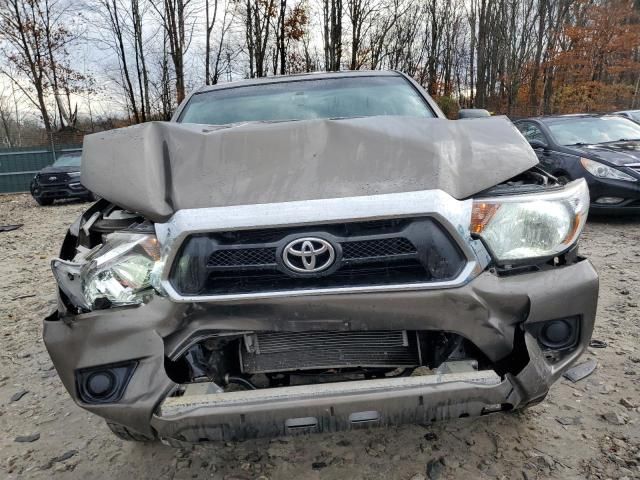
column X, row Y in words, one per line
column 19, row 165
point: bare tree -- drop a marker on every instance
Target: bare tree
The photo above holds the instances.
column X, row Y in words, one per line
column 281, row 39
column 511, row 56
column 178, row 22
column 258, row 15
column 543, row 9
column 332, row 23
column 112, row 8
column 10, row 126
column 141, row 65
column 392, row 25
column 223, row 60
column 210, row 23
column 35, row 41
column 362, row 14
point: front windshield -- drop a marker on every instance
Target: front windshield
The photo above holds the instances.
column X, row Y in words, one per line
column 592, row 130
column 342, row 97
column 68, row 160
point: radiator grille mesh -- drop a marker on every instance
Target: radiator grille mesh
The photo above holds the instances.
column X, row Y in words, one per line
column 285, row 351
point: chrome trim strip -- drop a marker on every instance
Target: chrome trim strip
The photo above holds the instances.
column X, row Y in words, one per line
column 453, row 215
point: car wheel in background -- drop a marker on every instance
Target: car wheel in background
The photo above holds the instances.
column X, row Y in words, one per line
column 43, row 201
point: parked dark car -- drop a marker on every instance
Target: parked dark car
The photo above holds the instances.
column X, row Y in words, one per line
column 60, row 180
column 602, row 149
column 630, row 114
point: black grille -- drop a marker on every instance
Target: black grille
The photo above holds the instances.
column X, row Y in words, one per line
column 248, row 257
column 386, row 247
column 243, row 257
column 373, row 253
column 53, row 178
column 284, row 351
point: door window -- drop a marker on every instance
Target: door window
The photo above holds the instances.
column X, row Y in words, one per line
column 532, row 132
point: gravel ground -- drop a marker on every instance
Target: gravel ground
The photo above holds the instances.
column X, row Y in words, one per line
column 586, row 430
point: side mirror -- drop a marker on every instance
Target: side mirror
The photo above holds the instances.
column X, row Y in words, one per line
column 473, row 113
column 537, row 144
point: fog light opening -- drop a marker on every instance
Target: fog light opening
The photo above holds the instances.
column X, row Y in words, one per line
column 104, row 384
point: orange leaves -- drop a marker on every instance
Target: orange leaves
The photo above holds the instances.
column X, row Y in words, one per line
column 296, row 22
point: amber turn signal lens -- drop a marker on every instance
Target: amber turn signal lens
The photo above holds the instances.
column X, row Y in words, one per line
column 481, row 215
column 151, row 247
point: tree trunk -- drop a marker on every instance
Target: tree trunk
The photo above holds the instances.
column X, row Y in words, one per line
column 282, row 47
column 117, row 31
column 535, row 75
column 143, row 73
column 207, row 50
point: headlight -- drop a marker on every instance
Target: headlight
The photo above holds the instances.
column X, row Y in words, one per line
column 521, row 227
column 125, row 270
column 73, row 174
column 601, row 170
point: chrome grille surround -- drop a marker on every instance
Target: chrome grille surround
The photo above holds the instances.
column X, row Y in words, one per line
column 453, row 215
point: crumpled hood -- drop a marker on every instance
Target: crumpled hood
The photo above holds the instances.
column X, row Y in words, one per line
column 616, row 153
column 158, row 168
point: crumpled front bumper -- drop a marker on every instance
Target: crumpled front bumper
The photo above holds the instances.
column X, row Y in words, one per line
column 66, row 190
column 488, row 311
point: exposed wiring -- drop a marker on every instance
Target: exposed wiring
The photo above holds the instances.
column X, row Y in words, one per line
column 240, row 381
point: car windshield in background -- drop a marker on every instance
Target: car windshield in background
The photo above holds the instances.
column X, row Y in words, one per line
column 307, row 99
column 592, row 130
column 635, row 115
column 67, row 161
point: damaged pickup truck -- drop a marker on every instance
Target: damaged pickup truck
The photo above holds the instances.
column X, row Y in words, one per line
column 313, row 254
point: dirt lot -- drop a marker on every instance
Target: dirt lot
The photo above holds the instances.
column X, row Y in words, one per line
column 586, row 430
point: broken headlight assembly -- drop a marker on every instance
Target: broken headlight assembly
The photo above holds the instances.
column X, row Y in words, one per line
column 518, row 228
column 124, row 270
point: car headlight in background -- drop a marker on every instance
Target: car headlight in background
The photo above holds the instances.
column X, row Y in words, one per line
column 73, row 174
column 601, row 170
column 124, row 270
column 522, row 227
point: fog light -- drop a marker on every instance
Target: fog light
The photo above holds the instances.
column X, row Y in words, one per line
column 609, row 200
column 558, row 334
column 101, row 384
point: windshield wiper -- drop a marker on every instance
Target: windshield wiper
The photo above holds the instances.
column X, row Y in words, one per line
column 624, row 140
column 578, row 144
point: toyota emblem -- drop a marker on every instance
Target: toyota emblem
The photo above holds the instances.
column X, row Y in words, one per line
column 308, row 255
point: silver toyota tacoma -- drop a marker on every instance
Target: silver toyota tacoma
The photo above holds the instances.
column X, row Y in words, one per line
column 316, row 253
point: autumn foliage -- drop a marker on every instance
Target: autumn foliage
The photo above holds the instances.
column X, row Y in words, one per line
column 596, row 65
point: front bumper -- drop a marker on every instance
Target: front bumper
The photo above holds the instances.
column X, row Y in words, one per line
column 67, row 190
column 332, row 407
column 488, row 311
column 629, row 191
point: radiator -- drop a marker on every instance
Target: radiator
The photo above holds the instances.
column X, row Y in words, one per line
column 287, row 351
